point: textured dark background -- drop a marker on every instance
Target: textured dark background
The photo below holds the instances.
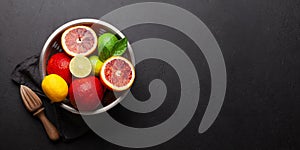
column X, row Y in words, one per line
column 260, row 41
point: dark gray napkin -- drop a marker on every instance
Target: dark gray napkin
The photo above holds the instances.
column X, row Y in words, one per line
column 69, row 125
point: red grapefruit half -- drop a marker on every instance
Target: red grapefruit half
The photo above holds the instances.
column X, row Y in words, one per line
column 117, row 73
column 79, row 40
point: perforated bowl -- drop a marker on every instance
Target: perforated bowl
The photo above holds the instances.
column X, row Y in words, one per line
column 53, row 46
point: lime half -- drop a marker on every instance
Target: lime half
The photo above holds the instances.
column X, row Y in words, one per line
column 80, row 66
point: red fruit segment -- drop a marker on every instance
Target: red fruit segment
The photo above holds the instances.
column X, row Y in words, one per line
column 117, row 73
column 86, row 93
column 59, row 64
column 79, row 40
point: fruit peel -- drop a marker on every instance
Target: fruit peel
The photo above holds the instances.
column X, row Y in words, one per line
column 85, row 94
column 55, row 87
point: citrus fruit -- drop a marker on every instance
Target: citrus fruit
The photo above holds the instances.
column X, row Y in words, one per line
column 117, row 73
column 59, row 64
column 96, row 64
column 108, row 40
column 79, row 40
column 55, row 87
column 80, row 66
column 86, row 93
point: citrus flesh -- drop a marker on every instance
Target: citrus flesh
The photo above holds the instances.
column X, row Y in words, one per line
column 79, row 40
column 80, row 66
column 117, row 73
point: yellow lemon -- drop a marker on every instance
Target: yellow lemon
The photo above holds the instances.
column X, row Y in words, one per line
column 55, row 87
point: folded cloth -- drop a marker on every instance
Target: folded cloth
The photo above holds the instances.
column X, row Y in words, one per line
column 69, row 125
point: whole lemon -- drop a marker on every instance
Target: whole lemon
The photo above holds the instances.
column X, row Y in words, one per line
column 55, row 87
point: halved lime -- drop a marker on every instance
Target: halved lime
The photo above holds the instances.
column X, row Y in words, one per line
column 80, row 66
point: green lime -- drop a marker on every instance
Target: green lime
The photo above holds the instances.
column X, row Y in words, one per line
column 96, row 64
column 108, row 40
column 80, row 66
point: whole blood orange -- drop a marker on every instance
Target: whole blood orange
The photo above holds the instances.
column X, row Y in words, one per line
column 59, row 64
column 117, row 73
column 79, row 40
column 86, row 93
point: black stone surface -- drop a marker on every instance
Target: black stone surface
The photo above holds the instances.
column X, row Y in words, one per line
column 260, row 41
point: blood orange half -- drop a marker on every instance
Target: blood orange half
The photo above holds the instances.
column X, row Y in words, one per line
column 117, row 73
column 79, row 40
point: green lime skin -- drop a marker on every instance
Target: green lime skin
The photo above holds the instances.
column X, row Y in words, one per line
column 108, row 40
column 96, row 64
